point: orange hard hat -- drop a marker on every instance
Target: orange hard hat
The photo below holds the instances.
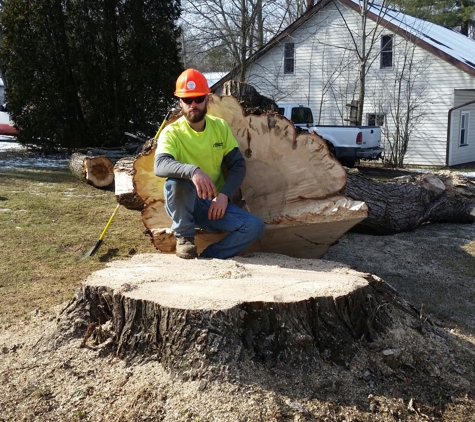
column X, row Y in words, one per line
column 191, row 83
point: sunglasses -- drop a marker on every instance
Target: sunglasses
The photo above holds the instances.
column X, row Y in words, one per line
column 197, row 100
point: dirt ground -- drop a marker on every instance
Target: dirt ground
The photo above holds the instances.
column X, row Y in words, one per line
column 433, row 379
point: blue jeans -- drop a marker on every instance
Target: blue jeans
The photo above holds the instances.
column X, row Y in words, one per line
column 188, row 211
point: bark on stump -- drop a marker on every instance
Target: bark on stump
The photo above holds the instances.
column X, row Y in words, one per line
column 97, row 171
column 203, row 318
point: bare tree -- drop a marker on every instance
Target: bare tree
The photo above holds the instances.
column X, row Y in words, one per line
column 364, row 43
column 401, row 99
column 240, row 27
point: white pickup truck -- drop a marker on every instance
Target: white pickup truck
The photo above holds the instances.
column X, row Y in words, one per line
column 347, row 143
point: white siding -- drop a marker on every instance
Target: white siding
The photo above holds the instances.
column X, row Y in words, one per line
column 326, row 79
column 460, row 154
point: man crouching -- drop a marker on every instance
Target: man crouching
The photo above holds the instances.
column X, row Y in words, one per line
column 190, row 152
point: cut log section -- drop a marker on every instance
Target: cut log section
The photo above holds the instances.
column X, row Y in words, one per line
column 406, row 202
column 97, row 171
column 395, row 205
column 251, row 101
column 292, row 183
column 124, row 187
column 200, row 316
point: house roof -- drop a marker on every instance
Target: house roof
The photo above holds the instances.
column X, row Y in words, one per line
column 446, row 43
column 449, row 45
column 213, row 77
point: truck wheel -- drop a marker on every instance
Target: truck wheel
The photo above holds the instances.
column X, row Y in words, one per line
column 348, row 163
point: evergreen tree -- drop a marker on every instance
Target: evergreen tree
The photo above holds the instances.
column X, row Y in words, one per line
column 455, row 14
column 82, row 72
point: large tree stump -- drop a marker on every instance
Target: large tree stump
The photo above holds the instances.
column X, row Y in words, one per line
column 97, row 171
column 406, row 202
column 204, row 317
column 292, row 183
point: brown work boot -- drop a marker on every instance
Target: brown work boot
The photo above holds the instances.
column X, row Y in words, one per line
column 185, row 247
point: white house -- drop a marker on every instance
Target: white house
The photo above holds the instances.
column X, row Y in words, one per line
column 419, row 86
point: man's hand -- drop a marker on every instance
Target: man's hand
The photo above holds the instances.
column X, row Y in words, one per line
column 205, row 187
column 218, row 207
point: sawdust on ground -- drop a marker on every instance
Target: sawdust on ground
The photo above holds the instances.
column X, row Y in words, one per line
column 435, row 383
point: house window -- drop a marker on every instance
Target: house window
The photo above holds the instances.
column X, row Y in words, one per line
column 464, row 118
column 375, row 119
column 386, row 59
column 289, row 58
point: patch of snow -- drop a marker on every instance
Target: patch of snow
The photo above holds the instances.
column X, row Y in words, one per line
column 7, row 143
column 9, row 162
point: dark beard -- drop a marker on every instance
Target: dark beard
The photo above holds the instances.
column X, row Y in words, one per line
column 195, row 118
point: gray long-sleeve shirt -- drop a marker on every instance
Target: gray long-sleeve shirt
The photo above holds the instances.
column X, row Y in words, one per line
column 167, row 166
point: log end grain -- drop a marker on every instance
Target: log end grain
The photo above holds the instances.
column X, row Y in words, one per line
column 99, row 171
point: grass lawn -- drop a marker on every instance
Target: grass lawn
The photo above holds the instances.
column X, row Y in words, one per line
column 48, row 222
